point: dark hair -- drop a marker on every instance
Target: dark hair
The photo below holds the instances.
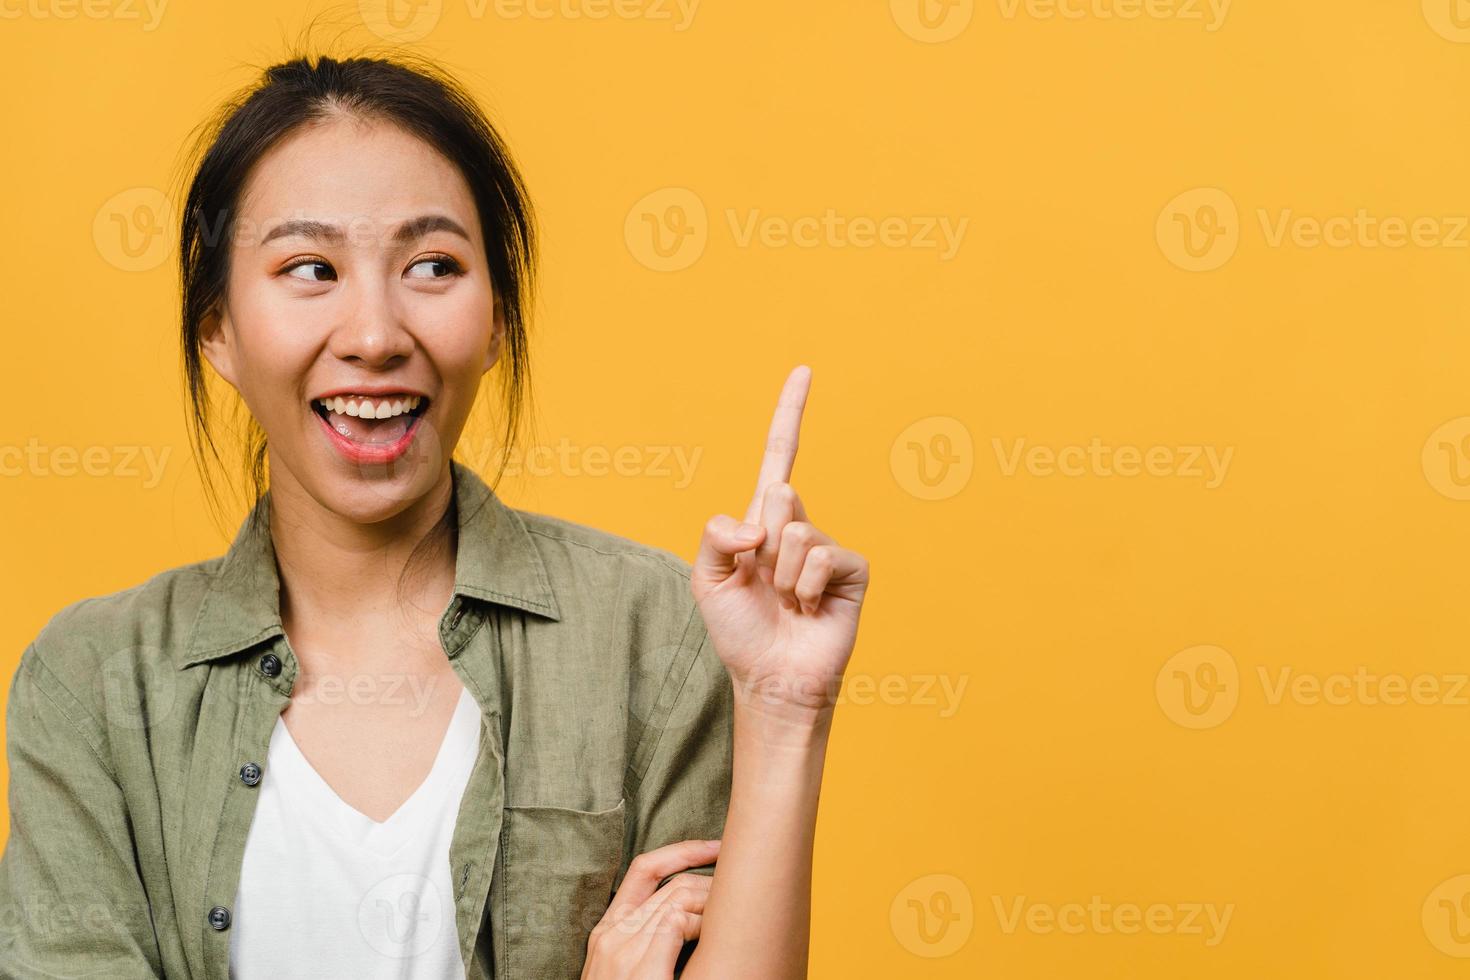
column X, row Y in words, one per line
column 408, row 91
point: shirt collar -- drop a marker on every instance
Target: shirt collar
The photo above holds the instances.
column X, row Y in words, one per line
column 496, row 562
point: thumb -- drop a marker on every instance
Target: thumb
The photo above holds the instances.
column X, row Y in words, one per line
column 724, row 538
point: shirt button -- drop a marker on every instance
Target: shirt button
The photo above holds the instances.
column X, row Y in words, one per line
column 249, row 774
column 270, row 665
column 219, row 918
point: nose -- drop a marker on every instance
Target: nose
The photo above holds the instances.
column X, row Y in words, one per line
column 372, row 331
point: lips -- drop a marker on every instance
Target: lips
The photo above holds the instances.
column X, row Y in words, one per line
column 372, row 427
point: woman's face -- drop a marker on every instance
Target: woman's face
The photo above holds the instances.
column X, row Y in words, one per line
column 357, row 275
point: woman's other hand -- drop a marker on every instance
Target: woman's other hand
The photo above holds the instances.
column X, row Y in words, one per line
column 644, row 929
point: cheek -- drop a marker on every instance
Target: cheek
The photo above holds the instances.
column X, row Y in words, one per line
column 456, row 330
column 274, row 344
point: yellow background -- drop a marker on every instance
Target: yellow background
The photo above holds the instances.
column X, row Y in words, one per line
column 1071, row 765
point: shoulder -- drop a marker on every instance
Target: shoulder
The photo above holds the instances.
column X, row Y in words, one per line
column 587, row 564
column 131, row 630
column 571, row 551
column 568, row 540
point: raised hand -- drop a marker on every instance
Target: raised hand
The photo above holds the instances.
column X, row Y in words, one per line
column 780, row 598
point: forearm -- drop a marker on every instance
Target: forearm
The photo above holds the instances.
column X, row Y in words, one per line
column 758, row 914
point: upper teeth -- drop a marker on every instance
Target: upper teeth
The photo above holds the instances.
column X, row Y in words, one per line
column 364, row 407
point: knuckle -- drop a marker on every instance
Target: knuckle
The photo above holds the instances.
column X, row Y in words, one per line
column 797, row 532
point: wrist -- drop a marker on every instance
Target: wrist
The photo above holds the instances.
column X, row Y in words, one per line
column 781, row 726
column 800, row 698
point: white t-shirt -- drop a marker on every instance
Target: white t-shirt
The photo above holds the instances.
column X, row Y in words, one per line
column 325, row 891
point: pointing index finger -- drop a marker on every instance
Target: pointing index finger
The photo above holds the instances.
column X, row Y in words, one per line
column 781, row 440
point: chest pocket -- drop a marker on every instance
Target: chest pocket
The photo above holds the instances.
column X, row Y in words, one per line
column 558, row 875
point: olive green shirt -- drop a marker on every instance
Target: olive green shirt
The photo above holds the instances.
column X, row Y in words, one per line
column 138, row 724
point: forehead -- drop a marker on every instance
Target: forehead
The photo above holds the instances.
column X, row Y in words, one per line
column 347, row 168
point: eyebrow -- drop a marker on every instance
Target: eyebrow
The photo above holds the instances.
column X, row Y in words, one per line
column 410, row 230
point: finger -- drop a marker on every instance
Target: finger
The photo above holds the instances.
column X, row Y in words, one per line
column 645, row 870
column 797, row 539
column 663, row 939
column 781, row 439
column 690, row 891
column 781, row 505
column 680, row 892
column 831, row 570
column 685, row 891
column 680, row 922
column 724, row 538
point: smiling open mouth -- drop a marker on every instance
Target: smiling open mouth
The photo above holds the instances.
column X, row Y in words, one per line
column 381, row 421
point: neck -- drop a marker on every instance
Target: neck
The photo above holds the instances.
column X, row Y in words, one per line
column 335, row 569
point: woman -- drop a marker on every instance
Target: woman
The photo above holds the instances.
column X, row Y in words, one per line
column 400, row 729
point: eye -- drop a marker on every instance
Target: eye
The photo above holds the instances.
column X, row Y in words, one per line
column 441, row 267
column 318, row 270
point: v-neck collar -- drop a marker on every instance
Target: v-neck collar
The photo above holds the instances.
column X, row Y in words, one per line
column 384, row 838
